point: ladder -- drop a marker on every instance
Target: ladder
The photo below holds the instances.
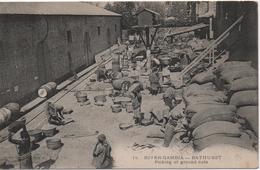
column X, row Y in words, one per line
column 210, row 50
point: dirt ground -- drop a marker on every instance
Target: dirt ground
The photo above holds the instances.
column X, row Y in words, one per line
column 76, row 151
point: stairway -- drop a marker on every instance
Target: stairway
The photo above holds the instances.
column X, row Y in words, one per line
column 210, row 50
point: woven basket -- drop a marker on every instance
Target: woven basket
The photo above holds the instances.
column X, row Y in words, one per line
column 53, row 143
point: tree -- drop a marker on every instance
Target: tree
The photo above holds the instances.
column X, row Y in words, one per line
column 127, row 10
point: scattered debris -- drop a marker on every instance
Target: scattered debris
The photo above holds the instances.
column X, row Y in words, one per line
column 137, row 146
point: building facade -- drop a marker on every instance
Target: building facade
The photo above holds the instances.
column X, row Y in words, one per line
column 43, row 42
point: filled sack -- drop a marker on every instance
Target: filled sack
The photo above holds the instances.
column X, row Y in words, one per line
column 206, row 86
column 209, row 108
column 216, row 127
column 207, row 93
column 200, row 118
column 204, row 77
column 234, row 74
column 250, row 113
column 244, row 98
column 245, row 83
column 232, row 64
column 205, row 99
column 243, row 141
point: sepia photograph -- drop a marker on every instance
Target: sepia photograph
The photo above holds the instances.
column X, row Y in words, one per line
column 128, row 84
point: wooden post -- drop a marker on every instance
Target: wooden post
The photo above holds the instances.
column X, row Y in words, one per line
column 148, row 56
column 147, row 34
column 156, row 29
column 142, row 38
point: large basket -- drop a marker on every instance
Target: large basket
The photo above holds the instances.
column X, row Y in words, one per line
column 37, row 134
column 116, row 108
column 49, row 130
column 53, row 143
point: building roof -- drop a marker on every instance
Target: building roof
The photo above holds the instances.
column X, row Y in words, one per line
column 187, row 29
column 146, row 9
column 53, row 8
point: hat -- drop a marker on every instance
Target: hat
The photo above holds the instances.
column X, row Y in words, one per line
column 101, row 137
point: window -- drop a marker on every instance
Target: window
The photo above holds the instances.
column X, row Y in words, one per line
column 69, row 37
column 98, row 28
column 115, row 27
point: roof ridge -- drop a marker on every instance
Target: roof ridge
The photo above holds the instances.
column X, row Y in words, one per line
column 54, row 8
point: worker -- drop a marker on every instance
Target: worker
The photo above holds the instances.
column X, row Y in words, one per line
column 102, row 158
column 101, row 73
column 54, row 114
column 23, row 148
column 154, row 79
column 169, row 97
column 175, row 125
column 136, row 96
column 166, row 78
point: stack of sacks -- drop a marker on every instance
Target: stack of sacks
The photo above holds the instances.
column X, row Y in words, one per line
column 244, row 96
column 234, row 70
column 241, row 82
column 212, row 120
column 221, row 132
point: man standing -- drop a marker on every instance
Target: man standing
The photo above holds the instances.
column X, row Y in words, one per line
column 154, row 79
column 102, row 158
column 23, row 148
column 136, row 96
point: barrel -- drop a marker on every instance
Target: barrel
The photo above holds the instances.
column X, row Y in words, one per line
column 47, row 89
column 14, row 109
column 5, row 116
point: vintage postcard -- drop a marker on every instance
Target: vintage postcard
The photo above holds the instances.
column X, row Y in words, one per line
column 129, row 84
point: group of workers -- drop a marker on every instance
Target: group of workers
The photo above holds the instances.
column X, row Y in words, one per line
column 102, row 151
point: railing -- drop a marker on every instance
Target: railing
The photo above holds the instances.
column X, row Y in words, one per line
column 210, row 50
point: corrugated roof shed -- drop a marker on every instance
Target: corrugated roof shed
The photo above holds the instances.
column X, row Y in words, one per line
column 53, row 8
